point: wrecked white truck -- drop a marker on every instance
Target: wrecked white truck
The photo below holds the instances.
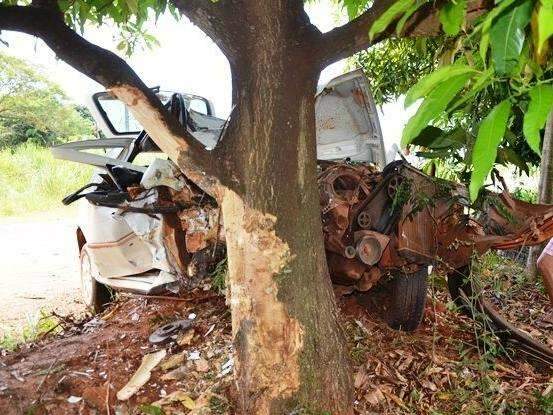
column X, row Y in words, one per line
column 146, row 228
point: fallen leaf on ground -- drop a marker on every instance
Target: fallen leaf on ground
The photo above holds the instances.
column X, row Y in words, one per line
column 173, row 361
column 176, row 374
column 201, row 365
column 177, row 396
column 375, row 397
column 186, row 338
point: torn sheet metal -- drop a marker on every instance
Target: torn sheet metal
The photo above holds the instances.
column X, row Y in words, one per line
column 151, row 230
column 163, row 173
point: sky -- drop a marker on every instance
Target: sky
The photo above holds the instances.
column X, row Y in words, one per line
column 186, row 61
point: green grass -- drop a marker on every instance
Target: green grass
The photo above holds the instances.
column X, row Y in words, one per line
column 219, row 276
column 33, row 181
column 34, row 328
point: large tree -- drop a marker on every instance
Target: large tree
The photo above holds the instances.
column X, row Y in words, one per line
column 290, row 351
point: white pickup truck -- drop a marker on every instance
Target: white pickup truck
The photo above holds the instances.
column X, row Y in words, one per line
column 125, row 250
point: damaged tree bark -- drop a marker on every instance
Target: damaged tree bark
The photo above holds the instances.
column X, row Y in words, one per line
column 284, row 316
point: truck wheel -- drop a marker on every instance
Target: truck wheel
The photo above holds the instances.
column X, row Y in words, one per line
column 96, row 296
column 406, row 300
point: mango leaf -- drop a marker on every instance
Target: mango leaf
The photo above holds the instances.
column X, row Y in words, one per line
column 401, row 22
column 508, row 155
column 487, row 24
column 541, row 103
column 434, row 104
column 485, row 40
column 507, row 36
column 428, row 136
column 396, row 9
column 491, row 132
column 545, row 23
column 133, row 5
column 354, row 7
column 452, row 15
column 435, row 138
column 429, row 82
column 480, row 81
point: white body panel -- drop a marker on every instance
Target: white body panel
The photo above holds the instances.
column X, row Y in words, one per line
column 347, row 121
column 115, row 250
column 121, row 246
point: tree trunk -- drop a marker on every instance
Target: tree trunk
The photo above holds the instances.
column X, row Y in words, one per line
column 545, row 188
column 290, row 352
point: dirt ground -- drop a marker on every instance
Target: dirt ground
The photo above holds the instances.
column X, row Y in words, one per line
column 81, row 370
column 39, row 269
column 440, row 369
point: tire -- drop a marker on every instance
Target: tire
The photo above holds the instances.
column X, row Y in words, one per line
column 407, row 298
column 96, row 295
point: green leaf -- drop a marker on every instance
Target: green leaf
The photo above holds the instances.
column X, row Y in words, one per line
column 452, row 15
column 435, row 138
column 354, row 7
column 480, row 81
column 434, row 104
column 491, row 132
column 507, row 36
column 545, row 23
column 429, row 82
column 133, row 5
column 428, row 137
column 151, row 410
column 399, row 7
column 487, row 24
column 541, row 102
column 508, row 155
column 485, row 40
column 408, row 14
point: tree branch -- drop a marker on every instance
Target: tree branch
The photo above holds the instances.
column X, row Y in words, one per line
column 353, row 37
column 219, row 20
column 108, row 69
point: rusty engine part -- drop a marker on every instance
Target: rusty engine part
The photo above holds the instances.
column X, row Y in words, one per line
column 401, row 219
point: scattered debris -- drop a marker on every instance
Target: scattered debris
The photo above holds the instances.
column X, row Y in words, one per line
column 74, row 399
column 227, row 367
column 176, row 374
column 201, row 365
column 177, row 396
column 142, row 374
column 169, row 331
column 440, row 368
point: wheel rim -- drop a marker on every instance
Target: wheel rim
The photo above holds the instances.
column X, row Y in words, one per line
column 87, row 280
